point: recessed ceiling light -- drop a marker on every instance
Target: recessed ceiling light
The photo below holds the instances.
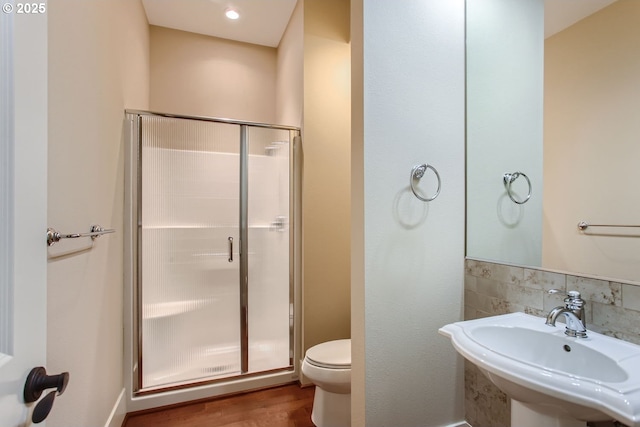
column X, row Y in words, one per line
column 232, row 14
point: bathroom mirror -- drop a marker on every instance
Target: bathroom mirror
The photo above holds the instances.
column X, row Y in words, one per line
column 553, row 92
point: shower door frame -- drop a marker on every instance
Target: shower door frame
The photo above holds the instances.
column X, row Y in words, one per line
column 144, row 398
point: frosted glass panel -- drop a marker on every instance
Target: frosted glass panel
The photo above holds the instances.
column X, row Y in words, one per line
column 190, row 208
column 268, row 236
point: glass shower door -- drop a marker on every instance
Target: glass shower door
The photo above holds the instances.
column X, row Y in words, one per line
column 189, row 259
column 270, row 303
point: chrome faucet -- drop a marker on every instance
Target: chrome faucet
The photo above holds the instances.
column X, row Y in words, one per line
column 573, row 311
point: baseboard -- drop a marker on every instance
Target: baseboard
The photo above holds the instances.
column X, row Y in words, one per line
column 119, row 412
column 116, row 418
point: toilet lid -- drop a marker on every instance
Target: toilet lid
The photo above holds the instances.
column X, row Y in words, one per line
column 331, row 354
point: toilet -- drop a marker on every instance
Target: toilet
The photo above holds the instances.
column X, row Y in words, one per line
column 328, row 366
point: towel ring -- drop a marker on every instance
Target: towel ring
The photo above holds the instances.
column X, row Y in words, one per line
column 508, row 179
column 418, row 172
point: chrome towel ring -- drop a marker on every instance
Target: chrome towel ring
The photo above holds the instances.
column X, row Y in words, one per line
column 418, row 172
column 508, row 179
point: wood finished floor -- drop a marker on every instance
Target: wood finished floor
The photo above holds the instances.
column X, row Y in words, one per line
column 285, row 406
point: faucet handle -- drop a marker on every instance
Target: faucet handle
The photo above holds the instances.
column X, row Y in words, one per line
column 570, row 295
column 573, row 295
column 572, row 300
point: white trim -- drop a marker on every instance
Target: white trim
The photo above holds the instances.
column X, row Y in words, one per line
column 116, row 418
column 7, row 141
column 140, row 403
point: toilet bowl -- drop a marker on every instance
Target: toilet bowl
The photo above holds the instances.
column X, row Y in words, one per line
column 328, row 366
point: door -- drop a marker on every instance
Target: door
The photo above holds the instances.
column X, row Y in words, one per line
column 189, row 257
column 23, row 201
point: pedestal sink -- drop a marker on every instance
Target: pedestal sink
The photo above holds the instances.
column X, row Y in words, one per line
column 553, row 380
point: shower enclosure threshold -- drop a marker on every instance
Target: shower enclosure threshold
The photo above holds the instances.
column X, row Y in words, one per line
column 211, row 388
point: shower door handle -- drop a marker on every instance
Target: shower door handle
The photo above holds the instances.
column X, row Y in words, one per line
column 230, row 249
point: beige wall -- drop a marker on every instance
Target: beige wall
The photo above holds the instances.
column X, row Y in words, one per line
column 591, row 145
column 98, row 66
column 289, row 84
column 206, row 76
column 358, row 356
column 326, row 179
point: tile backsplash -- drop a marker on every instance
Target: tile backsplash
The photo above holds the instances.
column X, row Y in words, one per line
column 612, row 308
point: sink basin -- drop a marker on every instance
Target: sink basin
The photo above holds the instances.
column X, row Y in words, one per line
column 549, row 375
column 553, row 352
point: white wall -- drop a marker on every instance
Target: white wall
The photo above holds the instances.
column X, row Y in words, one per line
column 408, row 258
column 98, row 66
column 505, row 47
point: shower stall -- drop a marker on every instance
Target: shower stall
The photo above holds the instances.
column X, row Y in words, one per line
column 209, row 254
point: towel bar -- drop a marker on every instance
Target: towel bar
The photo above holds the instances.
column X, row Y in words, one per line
column 53, row 236
column 582, row 225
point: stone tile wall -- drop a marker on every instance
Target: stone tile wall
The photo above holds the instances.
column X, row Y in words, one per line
column 612, row 308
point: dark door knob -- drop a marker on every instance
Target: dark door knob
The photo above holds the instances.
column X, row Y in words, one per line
column 37, row 382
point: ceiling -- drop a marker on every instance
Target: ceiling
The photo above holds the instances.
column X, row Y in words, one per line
column 261, row 22
column 560, row 14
